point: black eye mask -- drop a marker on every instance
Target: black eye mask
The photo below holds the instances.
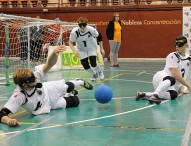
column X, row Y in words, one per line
column 179, row 44
column 82, row 24
column 30, row 79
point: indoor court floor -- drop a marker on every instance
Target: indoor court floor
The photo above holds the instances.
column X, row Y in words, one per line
column 121, row 122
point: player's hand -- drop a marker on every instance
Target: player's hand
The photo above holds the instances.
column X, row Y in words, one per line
column 12, row 123
column 76, row 54
column 60, row 49
column 189, row 88
column 102, row 52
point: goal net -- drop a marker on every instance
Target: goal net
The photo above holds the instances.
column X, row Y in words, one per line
column 24, row 42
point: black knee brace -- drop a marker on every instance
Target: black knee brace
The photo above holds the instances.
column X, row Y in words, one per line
column 93, row 61
column 85, row 63
column 70, row 87
column 173, row 94
column 172, row 80
column 72, row 101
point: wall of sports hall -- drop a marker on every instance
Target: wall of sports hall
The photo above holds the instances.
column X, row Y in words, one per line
column 149, row 31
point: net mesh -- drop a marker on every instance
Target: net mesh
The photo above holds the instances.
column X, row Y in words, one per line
column 24, row 42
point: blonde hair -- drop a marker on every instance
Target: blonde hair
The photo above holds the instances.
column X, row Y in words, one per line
column 82, row 20
column 21, row 75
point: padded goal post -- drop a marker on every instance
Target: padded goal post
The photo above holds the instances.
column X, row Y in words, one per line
column 23, row 42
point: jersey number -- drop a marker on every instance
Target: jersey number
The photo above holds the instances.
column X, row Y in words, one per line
column 183, row 72
column 85, row 45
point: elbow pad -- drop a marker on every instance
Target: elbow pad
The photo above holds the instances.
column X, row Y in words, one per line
column 4, row 112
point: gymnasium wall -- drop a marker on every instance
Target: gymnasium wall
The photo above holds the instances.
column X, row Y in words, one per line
column 148, row 32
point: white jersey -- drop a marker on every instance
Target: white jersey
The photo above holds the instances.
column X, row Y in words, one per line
column 85, row 41
column 50, row 96
column 174, row 60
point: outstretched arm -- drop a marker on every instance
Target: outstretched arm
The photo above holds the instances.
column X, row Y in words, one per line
column 4, row 118
column 52, row 59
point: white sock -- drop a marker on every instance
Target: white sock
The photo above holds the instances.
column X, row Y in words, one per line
column 77, row 83
column 92, row 70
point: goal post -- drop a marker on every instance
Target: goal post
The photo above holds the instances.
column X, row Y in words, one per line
column 23, row 42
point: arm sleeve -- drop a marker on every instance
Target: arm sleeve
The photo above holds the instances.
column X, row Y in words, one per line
column 108, row 30
column 4, row 112
column 73, row 35
column 99, row 38
column 172, row 61
column 94, row 32
column 16, row 101
column 40, row 75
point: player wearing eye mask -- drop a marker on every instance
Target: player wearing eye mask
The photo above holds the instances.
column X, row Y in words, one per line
column 171, row 81
column 39, row 97
column 86, row 47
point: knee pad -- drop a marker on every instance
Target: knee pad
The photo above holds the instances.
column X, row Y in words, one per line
column 72, row 101
column 85, row 63
column 70, row 87
column 172, row 80
column 93, row 61
column 173, row 94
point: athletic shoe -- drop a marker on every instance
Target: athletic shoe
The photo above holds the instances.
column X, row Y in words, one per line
column 112, row 66
column 86, row 84
column 140, row 96
column 117, row 65
column 101, row 75
column 94, row 78
column 154, row 99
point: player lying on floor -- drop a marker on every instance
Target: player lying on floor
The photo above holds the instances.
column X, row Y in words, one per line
column 37, row 97
column 168, row 83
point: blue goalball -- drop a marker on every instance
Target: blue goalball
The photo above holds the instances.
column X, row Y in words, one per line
column 103, row 94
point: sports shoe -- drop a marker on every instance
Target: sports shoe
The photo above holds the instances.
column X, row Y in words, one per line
column 85, row 84
column 140, row 96
column 117, row 65
column 154, row 99
column 94, row 78
column 101, row 75
column 112, row 66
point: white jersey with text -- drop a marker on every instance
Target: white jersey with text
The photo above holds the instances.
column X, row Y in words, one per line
column 85, row 41
column 39, row 100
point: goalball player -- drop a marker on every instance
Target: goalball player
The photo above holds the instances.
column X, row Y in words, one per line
column 86, row 47
column 37, row 97
column 169, row 82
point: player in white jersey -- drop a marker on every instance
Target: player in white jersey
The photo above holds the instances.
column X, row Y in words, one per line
column 169, row 82
column 86, row 47
column 37, row 97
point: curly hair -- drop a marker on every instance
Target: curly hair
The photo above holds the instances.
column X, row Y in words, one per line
column 21, row 75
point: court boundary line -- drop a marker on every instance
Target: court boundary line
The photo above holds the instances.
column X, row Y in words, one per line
column 25, row 130
column 92, row 119
column 186, row 137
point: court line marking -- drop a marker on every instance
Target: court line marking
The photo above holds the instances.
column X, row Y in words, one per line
column 186, row 137
column 92, row 119
column 25, row 130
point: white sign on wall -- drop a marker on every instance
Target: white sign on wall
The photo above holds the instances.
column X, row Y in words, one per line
column 186, row 26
